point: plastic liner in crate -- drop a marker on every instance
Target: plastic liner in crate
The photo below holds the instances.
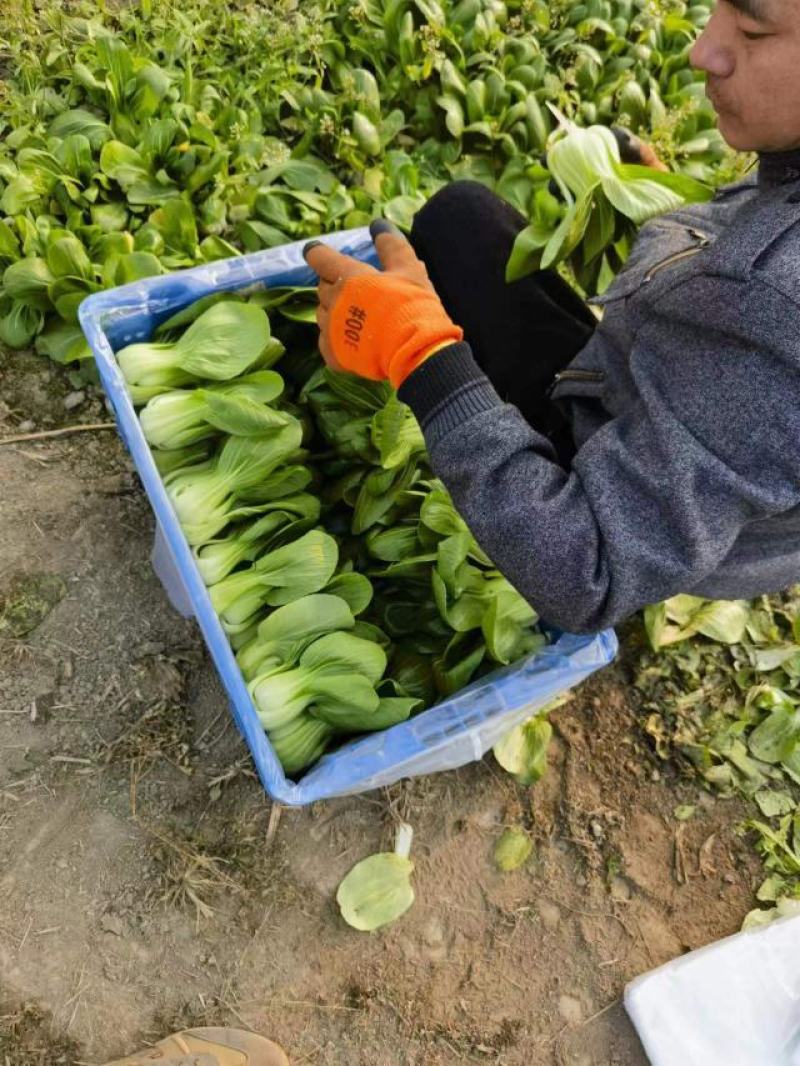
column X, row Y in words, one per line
column 454, row 732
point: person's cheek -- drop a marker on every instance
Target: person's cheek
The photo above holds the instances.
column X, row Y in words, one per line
column 783, row 99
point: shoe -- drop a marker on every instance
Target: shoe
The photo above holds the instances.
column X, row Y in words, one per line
column 209, row 1047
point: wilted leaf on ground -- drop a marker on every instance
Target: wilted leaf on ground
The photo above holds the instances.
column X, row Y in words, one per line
column 513, row 849
column 28, row 601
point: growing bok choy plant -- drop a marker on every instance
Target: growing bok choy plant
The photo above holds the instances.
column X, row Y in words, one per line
column 604, row 202
column 132, row 145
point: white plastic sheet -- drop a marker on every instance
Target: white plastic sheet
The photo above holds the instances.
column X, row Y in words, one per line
column 733, row 1003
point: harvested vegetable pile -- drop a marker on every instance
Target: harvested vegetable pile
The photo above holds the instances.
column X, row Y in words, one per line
column 351, row 590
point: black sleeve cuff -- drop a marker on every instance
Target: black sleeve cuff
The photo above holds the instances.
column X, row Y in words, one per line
column 448, row 388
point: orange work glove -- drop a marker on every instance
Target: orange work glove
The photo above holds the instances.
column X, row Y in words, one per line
column 633, row 150
column 379, row 324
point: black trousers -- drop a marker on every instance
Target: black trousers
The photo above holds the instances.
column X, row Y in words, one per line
column 521, row 334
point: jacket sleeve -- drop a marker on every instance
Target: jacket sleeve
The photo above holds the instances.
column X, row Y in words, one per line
column 654, row 501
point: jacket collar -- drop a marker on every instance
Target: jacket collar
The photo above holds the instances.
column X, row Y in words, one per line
column 778, row 168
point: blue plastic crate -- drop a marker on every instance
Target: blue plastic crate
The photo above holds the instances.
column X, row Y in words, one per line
column 454, row 732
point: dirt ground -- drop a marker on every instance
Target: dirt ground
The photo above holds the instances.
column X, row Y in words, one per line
column 147, row 882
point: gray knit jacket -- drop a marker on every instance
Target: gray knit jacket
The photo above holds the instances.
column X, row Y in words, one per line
column 685, row 409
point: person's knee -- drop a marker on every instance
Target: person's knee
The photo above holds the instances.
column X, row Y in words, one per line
column 454, row 206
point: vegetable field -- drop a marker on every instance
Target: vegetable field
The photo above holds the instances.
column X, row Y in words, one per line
column 153, row 138
column 149, row 882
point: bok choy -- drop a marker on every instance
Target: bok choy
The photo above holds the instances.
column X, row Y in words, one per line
column 282, row 575
column 286, row 633
column 204, row 496
column 349, row 587
column 337, row 674
column 226, row 340
column 217, row 558
column 177, row 419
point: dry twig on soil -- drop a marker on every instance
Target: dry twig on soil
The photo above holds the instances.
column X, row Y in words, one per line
column 46, row 434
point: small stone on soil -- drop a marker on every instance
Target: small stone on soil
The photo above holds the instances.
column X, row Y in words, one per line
column 433, row 932
column 110, row 923
column 549, row 914
column 620, row 889
column 73, row 400
column 570, row 1009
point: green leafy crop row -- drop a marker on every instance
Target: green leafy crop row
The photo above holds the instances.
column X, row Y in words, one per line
column 161, row 135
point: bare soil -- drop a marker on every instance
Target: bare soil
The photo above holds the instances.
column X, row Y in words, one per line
column 146, row 881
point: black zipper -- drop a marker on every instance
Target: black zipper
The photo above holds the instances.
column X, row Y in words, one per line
column 580, row 375
column 703, row 241
column 576, row 375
